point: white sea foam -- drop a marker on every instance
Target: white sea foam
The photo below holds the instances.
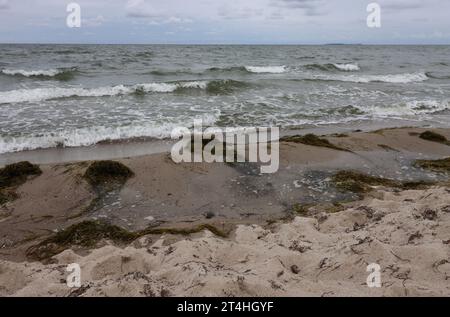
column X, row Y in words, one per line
column 266, row 69
column 157, row 87
column 347, row 67
column 194, row 84
column 393, row 78
column 33, row 73
column 94, row 135
column 41, row 94
column 409, row 108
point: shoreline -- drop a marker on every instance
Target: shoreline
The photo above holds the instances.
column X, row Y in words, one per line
column 141, row 146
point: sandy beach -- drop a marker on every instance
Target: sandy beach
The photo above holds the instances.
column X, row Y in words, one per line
column 227, row 230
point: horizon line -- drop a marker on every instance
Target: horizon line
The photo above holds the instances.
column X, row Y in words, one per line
column 231, row 44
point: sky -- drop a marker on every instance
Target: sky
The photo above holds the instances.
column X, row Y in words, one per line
column 225, row 22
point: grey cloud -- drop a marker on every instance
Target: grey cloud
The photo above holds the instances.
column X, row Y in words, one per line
column 230, row 13
column 395, row 5
column 310, row 7
column 141, row 9
column 4, row 5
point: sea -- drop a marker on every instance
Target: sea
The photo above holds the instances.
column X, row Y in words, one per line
column 81, row 95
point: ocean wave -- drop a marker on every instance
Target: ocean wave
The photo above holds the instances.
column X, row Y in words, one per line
column 237, row 69
column 347, row 67
column 57, row 73
column 406, row 108
column 266, row 69
column 94, row 135
column 392, row 78
column 437, row 76
column 333, row 67
column 427, row 106
column 250, row 69
column 162, row 72
column 409, row 108
column 343, row 111
column 42, row 94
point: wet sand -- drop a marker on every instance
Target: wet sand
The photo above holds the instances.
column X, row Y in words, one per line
column 165, row 194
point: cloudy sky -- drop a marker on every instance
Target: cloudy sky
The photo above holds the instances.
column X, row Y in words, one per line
column 226, row 21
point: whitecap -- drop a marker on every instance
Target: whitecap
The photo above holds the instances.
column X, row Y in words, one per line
column 391, row 78
column 33, row 73
column 347, row 67
column 41, row 94
column 93, row 135
column 266, row 69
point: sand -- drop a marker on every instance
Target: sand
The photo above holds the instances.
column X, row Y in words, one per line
column 267, row 254
column 406, row 233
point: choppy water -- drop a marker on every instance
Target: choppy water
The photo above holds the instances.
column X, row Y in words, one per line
column 69, row 95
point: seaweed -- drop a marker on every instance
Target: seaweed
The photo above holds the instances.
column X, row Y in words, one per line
column 312, row 140
column 434, row 137
column 335, row 208
column 301, row 209
column 185, row 231
column 85, row 234
column 14, row 175
column 357, row 182
column 340, row 135
column 107, row 172
column 360, row 183
column 88, row 233
column 416, row 185
column 442, row 165
column 104, row 177
column 7, row 195
column 387, row 148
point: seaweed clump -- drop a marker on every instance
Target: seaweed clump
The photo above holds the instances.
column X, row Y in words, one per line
column 85, row 234
column 312, row 140
column 17, row 174
column 442, row 165
column 14, row 175
column 185, row 231
column 7, row 195
column 103, row 173
column 301, row 210
column 360, row 183
column 88, row 233
column 434, row 137
column 105, row 177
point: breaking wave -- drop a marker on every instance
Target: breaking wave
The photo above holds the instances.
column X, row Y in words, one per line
column 93, row 135
column 393, row 78
column 410, row 108
column 251, row 69
column 266, row 69
column 437, row 75
column 59, row 73
column 347, row 67
column 42, row 94
column 333, row 67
